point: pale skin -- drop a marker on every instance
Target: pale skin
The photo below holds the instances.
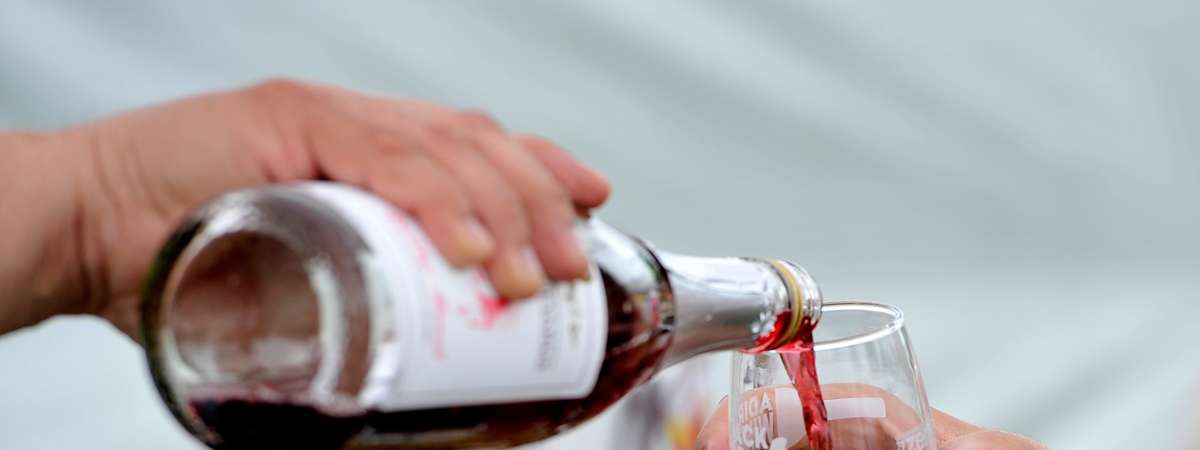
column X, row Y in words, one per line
column 874, row 433
column 85, row 209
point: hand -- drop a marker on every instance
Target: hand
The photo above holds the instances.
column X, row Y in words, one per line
column 483, row 195
column 869, row 433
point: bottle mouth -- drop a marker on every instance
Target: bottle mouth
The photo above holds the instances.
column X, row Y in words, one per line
column 239, row 311
column 242, row 306
column 806, row 302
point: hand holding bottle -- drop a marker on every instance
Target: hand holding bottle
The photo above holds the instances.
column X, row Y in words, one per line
column 97, row 200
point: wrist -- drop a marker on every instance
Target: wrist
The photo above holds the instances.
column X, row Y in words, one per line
column 40, row 228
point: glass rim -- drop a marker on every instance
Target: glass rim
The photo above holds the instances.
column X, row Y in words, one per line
column 892, row 326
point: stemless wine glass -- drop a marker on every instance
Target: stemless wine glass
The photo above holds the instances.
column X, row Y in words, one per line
column 869, row 378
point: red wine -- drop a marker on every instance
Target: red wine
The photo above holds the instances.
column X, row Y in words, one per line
column 249, row 425
column 801, row 365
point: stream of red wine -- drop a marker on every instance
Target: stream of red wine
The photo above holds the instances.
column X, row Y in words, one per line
column 801, row 365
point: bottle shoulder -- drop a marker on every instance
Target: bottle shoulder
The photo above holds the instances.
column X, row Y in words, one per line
column 625, row 259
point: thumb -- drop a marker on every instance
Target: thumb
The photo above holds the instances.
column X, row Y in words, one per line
column 714, row 435
column 955, row 434
column 991, row 439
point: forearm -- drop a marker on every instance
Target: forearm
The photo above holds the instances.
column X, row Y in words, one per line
column 38, row 215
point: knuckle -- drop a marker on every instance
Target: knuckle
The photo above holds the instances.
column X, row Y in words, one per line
column 551, row 200
column 439, row 129
column 510, row 214
column 439, row 136
column 281, row 88
column 535, row 142
column 284, row 94
column 382, row 181
column 391, row 142
column 478, row 120
column 446, row 195
column 507, row 219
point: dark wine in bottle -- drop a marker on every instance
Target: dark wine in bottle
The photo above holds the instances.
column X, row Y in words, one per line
column 315, row 315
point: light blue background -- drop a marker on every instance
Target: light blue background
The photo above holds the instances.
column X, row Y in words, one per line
column 1021, row 177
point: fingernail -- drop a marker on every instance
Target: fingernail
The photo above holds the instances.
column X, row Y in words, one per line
column 529, row 271
column 530, row 263
column 599, row 176
column 519, row 274
column 569, row 245
column 474, row 236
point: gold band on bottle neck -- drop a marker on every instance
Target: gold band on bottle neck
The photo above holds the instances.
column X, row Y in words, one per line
column 796, row 294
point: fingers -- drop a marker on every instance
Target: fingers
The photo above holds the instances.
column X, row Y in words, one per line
column 950, row 428
column 544, row 241
column 515, row 197
column 993, row 440
column 514, row 267
column 483, row 196
column 415, row 183
column 393, row 166
column 714, row 435
column 955, row 434
column 551, row 216
column 588, row 188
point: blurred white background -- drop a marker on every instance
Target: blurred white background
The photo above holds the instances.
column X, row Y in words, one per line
column 1020, row 177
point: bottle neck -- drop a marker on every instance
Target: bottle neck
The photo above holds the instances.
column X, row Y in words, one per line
column 736, row 304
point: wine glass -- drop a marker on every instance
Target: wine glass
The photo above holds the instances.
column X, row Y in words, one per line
column 868, row 376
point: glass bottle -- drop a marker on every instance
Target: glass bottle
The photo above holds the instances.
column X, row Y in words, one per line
column 315, row 315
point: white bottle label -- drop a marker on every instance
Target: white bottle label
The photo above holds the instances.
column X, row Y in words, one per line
column 451, row 340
